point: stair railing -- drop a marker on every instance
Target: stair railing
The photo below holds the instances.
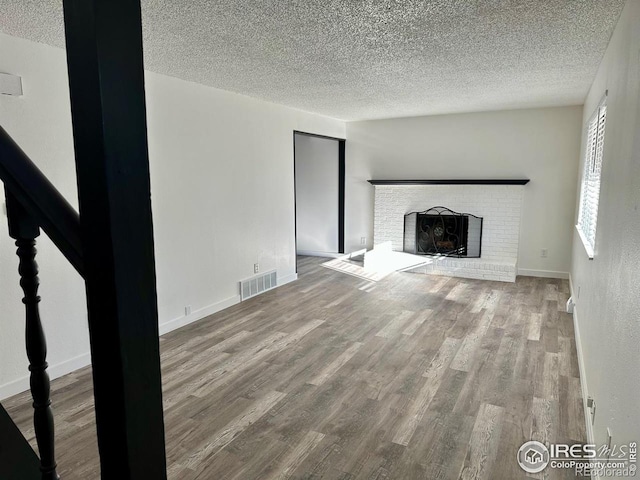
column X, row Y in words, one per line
column 32, row 203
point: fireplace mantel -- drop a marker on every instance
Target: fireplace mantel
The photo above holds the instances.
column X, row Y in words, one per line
column 522, row 181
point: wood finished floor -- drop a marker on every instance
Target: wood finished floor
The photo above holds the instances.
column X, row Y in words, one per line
column 332, row 376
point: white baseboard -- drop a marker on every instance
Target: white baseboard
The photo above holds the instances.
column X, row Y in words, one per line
column 571, row 288
column 57, row 370
column 543, row 273
column 199, row 314
column 583, row 373
column 583, row 377
column 581, row 368
column 288, row 279
column 583, row 383
column 311, row 253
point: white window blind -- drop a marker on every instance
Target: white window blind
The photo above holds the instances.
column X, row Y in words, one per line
column 590, row 191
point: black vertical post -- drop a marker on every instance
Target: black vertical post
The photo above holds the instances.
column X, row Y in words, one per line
column 106, row 80
column 341, row 188
column 25, row 230
column 295, row 204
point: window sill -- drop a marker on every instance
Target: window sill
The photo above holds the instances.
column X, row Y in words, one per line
column 585, row 243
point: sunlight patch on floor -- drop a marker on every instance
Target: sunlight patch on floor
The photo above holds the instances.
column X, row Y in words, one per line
column 376, row 264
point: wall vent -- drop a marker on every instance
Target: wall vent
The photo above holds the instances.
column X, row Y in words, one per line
column 258, row 284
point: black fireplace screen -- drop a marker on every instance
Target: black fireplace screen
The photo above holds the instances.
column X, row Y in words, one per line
column 441, row 231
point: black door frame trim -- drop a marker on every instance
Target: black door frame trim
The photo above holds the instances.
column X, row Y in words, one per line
column 341, row 187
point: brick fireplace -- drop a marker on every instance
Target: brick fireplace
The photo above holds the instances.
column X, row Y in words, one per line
column 499, row 205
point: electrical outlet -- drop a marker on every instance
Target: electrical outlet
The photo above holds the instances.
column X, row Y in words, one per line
column 363, row 240
column 544, row 253
column 256, row 268
column 187, row 310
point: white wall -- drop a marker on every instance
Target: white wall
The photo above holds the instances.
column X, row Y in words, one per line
column 539, row 144
column 607, row 288
column 40, row 122
column 317, row 178
column 222, row 197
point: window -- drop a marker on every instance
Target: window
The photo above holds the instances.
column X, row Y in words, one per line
column 590, row 192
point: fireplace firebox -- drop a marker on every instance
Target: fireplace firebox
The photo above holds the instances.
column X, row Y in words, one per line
column 441, row 231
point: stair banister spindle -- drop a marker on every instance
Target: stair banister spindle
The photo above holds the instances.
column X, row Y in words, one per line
column 25, row 231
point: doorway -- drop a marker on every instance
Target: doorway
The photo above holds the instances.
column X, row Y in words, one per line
column 319, row 186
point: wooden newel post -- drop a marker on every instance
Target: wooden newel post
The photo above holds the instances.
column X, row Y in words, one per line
column 24, row 230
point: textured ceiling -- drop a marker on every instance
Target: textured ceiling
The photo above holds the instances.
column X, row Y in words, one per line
column 354, row 60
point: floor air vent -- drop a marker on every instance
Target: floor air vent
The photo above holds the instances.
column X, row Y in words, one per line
column 256, row 285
